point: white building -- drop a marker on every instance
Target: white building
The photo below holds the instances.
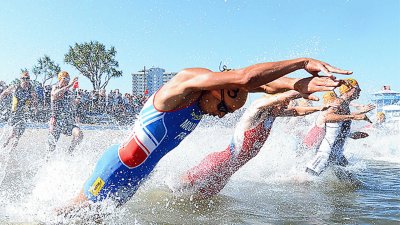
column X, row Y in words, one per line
column 148, row 81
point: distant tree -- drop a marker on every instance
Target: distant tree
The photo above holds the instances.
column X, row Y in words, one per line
column 95, row 62
column 16, row 81
column 24, row 70
column 46, row 69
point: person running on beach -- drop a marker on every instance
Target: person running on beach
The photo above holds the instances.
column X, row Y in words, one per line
column 62, row 114
column 211, row 175
column 334, row 127
column 23, row 97
column 174, row 111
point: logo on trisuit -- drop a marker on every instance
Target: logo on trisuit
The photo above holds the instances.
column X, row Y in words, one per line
column 96, row 187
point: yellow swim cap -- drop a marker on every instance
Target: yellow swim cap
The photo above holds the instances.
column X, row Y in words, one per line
column 329, row 97
column 63, row 74
column 348, row 85
column 380, row 115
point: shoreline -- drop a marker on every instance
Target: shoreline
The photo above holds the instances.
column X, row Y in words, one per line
column 81, row 126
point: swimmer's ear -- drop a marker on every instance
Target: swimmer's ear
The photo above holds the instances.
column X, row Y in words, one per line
column 309, row 97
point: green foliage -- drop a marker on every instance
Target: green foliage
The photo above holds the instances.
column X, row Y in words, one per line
column 24, row 70
column 46, row 69
column 95, row 62
column 16, row 81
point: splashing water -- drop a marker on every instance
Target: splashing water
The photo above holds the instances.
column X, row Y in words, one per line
column 271, row 188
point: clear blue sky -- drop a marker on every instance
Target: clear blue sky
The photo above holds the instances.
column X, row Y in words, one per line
column 360, row 35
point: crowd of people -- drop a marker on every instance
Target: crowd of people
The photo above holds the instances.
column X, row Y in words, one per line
column 63, row 106
column 93, row 107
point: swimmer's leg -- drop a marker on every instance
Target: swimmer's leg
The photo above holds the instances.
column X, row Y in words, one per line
column 112, row 179
column 320, row 161
column 8, row 140
column 80, row 201
column 209, row 177
column 93, row 187
column 19, row 131
column 77, row 137
column 52, row 139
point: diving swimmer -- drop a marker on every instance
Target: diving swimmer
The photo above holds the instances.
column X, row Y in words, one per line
column 333, row 128
column 23, row 98
column 213, row 172
column 174, row 111
column 62, row 117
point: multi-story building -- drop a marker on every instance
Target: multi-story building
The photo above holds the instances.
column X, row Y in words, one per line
column 148, row 81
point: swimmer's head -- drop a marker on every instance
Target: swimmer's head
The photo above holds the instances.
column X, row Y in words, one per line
column 24, row 75
column 329, row 97
column 348, row 84
column 351, row 88
column 25, row 79
column 222, row 101
column 63, row 78
column 63, row 75
column 380, row 117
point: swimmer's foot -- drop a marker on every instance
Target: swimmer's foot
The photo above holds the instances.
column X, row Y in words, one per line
column 70, row 209
column 76, row 204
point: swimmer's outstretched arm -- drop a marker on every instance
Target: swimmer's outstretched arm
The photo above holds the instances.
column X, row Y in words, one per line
column 268, row 101
column 334, row 118
column 7, row 91
column 259, row 109
column 363, row 108
column 254, row 76
column 302, row 111
column 304, row 85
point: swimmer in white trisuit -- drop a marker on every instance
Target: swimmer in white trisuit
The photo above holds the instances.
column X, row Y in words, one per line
column 212, row 174
column 334, row 126
column 316, row 134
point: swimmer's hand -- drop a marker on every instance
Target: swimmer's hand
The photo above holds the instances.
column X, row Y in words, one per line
column 367, row 119
column 324, row 107
column 365, row 108
column 314, row 67
column 309, row 97
column 362, row 117
column 334, row 105
column 310, row 85
column 73, row 82
column 358, row 135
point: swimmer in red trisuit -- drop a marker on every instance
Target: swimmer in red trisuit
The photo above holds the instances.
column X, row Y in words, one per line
column 213, row 172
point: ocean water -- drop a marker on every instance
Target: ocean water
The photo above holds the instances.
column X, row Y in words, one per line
column 271, row 189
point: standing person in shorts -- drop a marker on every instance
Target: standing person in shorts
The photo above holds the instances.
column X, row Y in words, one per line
column 62, row 120
column 23, row 97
